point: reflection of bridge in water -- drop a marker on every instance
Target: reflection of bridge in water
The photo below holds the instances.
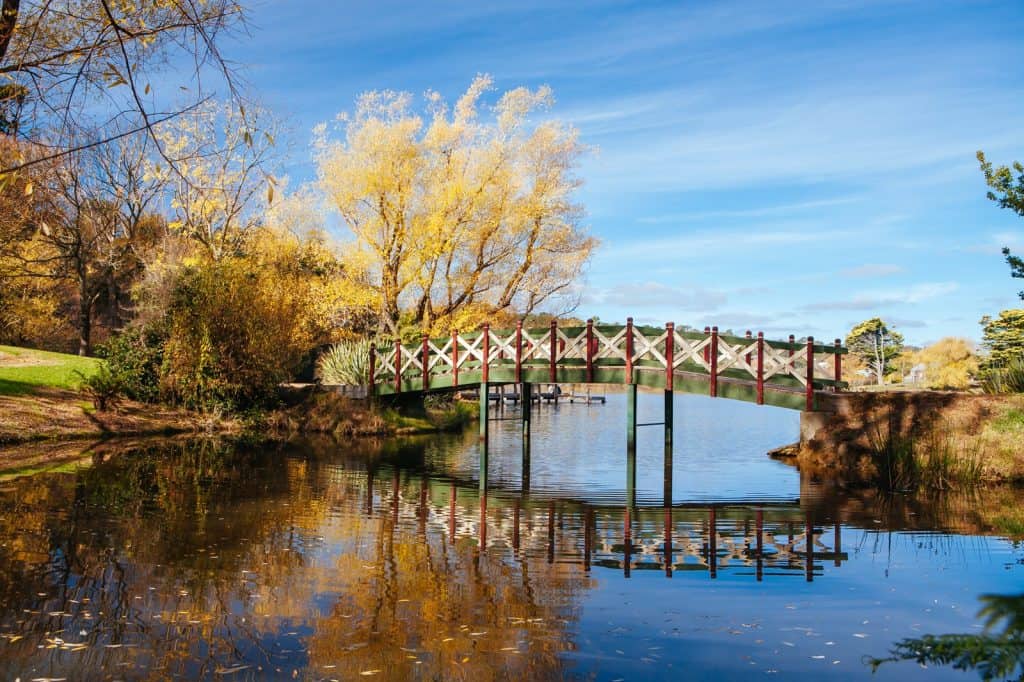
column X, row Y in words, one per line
column 752, row 538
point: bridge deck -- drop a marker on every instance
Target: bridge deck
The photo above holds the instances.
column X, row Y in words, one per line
column 782, row 373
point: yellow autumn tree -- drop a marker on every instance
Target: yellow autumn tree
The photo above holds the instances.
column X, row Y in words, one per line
column 217, row 174
column 460, row 213
column 948, row 363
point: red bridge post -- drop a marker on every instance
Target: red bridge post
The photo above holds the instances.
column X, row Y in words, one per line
column 810, row 373
column 519, row 352
column 707, row 349
column 455, row 358
column 749, row 338
column 670, row 331
column 714, row 362
column 426, row 363
column 760, row 368
column 398, row 365
column 590, row 351
column 629, row 350
column 838, row 364
column 554, row 351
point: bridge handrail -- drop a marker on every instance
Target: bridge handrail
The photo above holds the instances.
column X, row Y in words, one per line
column 633, row 348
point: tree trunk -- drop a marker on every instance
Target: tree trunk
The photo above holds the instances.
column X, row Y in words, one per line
column 84, row 317
column 8, row 20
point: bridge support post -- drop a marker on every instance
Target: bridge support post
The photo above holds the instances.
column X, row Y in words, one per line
column 631, row 418
column 485, row 401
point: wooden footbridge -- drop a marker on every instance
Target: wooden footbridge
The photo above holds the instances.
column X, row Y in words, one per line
column 782, row 373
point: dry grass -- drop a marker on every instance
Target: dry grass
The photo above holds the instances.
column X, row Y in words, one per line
column 945, row 427
column 48, row 414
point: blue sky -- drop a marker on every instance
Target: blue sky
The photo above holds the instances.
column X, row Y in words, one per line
column 784, row 166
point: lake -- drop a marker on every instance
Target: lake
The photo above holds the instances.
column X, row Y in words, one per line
column 186, row 559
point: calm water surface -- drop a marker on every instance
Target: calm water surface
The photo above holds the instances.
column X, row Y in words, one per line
column 321, row 561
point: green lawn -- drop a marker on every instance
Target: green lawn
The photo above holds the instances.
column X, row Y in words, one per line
column 23, row 370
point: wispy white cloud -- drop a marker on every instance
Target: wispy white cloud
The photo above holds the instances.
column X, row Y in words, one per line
column 759, row 212
column 877, row 300
column 655, row 295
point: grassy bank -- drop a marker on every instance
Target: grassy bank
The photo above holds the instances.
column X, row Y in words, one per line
column 24, row 371
column 920, row 440
column 39, row 401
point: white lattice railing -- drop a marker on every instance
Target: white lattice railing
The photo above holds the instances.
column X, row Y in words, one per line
column 593, row 348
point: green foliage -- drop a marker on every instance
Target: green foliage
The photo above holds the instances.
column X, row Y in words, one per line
column 994, row 656
column 136, row 355
column 347, row 362
column 1007, row 190
column 104, row 388
column 875, row 344
column 1003, row 337
column 1002, row 380
column 237, row 328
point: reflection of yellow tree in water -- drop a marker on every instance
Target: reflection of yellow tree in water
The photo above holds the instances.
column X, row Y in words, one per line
column 411, row 605
column 186, row 563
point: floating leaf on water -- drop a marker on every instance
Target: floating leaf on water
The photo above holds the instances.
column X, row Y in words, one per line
column 229, row 671
column 369, row 672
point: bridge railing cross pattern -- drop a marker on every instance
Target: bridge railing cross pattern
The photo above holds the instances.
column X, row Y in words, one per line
column 597, row 353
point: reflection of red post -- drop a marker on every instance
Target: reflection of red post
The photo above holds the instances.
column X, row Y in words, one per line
column 750, row 337
column 670, row 334
column 668, row 542
column 398, row 366
column 760, row 544
column 551, row 532
column 629, row 350
column 627, row 552
column 810, row 549
column 426, row 363
column 760, row 368
column 714, row 362
column 792, row 342
column 455, row 358
column 515, row 525
column 590, row 351
column 554, row 351
column 810, row 373
column 519, row 352
column 838, row 370
column 483, row 521
column 707, row 348
column 451, row 514
column 395, row 482
column 713, row 544
column 486, row 352
column 421, row 511
column 587, row 549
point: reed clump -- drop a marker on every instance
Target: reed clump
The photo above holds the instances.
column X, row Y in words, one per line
column 936, row 460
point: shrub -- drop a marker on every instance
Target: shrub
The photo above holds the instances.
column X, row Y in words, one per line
column 347, row 362
column 103, row 387
column 136, row 355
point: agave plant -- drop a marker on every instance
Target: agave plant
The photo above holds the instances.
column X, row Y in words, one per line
column 346, row 363
column 1008, row 379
